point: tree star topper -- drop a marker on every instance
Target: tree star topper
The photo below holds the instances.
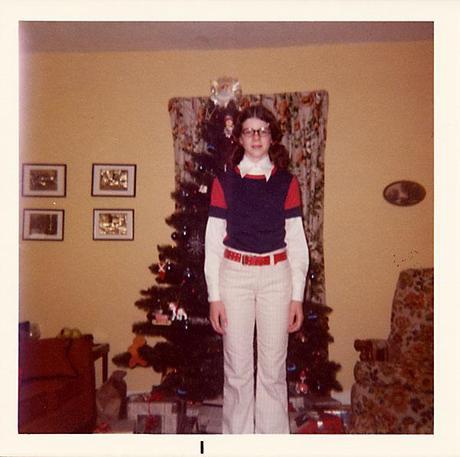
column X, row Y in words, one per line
column 225, row 89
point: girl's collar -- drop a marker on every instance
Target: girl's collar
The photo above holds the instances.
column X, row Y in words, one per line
column 258, row 176
column 261, row 169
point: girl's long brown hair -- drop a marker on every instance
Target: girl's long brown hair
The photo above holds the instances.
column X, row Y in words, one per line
column 277, row 152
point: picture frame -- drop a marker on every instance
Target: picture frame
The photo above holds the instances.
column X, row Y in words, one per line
column 43, row 224
column 404, row 193
column 44, row 180
column 113, row 224
column 113, row 180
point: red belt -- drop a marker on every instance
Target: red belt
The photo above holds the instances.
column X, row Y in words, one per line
column 246, row 259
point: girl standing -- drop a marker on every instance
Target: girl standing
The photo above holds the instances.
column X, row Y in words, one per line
column 256, row 261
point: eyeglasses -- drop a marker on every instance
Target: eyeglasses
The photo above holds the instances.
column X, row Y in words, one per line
column 263, row 132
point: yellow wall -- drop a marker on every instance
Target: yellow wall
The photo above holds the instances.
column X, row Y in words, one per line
column 81, row 109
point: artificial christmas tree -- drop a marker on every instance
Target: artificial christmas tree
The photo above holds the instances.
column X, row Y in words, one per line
column 177, row 307
column 191, row 360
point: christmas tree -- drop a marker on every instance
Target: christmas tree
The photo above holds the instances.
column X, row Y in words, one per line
column 191, row 359
column 309, row 369
column 177, row 308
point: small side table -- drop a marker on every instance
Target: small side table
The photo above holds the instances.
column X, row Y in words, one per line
column 102, row 350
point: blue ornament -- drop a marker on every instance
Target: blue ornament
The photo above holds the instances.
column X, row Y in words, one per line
column 291, row 367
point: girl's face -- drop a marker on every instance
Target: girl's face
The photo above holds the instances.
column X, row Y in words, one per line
column 255, row 138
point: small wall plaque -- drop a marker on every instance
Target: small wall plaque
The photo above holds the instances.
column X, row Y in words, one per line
column 404, row 193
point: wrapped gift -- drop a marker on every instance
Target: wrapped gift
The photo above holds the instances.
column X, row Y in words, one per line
column 193, row 409
column 148, row 424
column 321, row 423
column 209, row 419
column 344, row 413
column 189, row 425
column 168, row 409
column 296, row 403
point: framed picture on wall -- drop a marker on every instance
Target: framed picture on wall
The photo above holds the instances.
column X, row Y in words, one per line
column 113, row 180
column 43, row 180
column 43, row 224
column 113, row 224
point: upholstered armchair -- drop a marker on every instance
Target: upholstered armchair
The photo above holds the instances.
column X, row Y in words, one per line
column 393, row 390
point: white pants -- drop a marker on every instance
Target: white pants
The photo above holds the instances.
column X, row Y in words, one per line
column 255, row 295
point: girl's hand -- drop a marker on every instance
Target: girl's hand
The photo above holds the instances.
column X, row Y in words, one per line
column 295, row 316
column 217, row 316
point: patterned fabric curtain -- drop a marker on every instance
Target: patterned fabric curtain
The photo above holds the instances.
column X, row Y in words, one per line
column 303, row 117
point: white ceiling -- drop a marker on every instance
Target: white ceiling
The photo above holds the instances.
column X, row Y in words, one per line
column 47, row 36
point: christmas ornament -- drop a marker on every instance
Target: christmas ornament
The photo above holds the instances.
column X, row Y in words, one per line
column 161, row 270
column 203, row 189
column 291, row 367
column 136, row 359
column 301, row 387
column 169, row 371
column 301, row 336
column 228, row 129
column 195, row 244
column 225, row 89
column 201, row 167
column 188, row 274
column 161, row 319
column 177, row 313
column 181, row 392
column 181, row 314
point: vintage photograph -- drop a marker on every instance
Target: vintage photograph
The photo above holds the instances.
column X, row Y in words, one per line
column 43, row 180
column 114, row 180
column 43, row 224
column 113, row 224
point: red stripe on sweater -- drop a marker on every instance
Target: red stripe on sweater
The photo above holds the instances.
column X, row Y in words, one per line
column 293, row 195
column 217, row 195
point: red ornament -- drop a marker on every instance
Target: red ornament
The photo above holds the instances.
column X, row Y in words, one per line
column 161, row 270
column 301, row 387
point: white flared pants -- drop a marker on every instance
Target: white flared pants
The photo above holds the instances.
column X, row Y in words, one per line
column 255, row 295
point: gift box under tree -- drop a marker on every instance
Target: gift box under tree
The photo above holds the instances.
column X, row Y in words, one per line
column 146, row 405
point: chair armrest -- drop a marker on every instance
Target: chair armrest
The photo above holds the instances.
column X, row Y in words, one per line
column 372, row 349
column 385, row 374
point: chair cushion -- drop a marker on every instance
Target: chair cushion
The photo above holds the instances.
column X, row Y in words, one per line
column 378, row 409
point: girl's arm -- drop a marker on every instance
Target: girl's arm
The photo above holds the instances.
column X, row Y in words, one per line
column 214, row 253
column 298, row 256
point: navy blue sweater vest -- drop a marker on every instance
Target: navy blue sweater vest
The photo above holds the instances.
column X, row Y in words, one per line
column 255, row 209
